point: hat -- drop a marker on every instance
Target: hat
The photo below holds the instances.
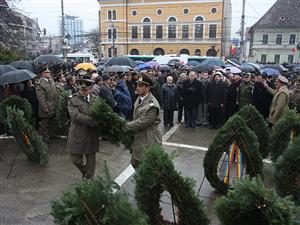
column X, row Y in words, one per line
column 219, row 73
column 247, row 75
column 45, row 70
column 105, row 77
column 144, row 79
column 85, row 84
column 283, row 79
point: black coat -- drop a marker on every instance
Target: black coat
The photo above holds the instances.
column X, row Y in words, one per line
column 216, row 94
column 262, row 99
column 105, row 92
column 132, row 87
column 231, row 106
column 157, row 92
column 169, row 98
column 29, row 93
column 192, row 93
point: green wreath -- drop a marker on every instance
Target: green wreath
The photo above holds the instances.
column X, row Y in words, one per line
column 257, row 124
column 19, row 103
column 251, row 203
column 109, row 124
column 288, row 125
column 26, row 136
column 235, row 130
column 287, row 172
column 156, row 174
column 62, row 114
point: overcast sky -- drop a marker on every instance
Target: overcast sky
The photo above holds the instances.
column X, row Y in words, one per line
column 48, row 12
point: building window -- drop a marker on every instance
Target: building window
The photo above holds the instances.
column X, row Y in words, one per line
column 109, row 15
column 213, row 31
column 159, row 31
column 146, row 28
column 158, row 51
column 185, row 31
column 277, row 59
column 159, row 12
column 278, row 39
column 292, row 39
column 199, row 27
column 134, row 12
column 265, row 39
column 134, row 32
column 290, row 59
column 263, row 58
column 172, row 26
column 134, row 52
column 186, row 11
column 112, row 52
column 114, row 15
column 112, row 33
column 198, row 52
column 184, row 51
column 214, row 10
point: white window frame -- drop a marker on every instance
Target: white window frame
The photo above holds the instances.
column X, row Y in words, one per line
column 163, row 31
column 189, row 36
column 216, row 30
column 295, row 38
column 281, row 39
column 176, row 31
column 194, row 27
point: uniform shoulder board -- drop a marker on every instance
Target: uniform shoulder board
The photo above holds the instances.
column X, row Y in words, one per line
column 151, row 103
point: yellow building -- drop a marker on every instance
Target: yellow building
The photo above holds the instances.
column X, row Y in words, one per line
column 158, row 27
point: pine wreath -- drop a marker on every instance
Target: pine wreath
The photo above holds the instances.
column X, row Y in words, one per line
column 251, row 203
column 62, row 114
column 156, row 174
column 109, row 124
column 257, row 124
column 26, row 136
column 287, row 172
column 96, row 202
column 234, row 131
column 19, row 103
column 287, row 126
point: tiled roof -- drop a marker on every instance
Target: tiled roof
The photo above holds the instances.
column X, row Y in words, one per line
column 283, row 14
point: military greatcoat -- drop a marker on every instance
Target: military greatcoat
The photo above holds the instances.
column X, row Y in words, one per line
column 146, row 118
column 82, row 138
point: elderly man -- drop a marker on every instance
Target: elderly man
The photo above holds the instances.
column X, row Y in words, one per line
column 82, row 138
column 169, row 101
column 280, row 99
column 47, row 96
column 146, row 118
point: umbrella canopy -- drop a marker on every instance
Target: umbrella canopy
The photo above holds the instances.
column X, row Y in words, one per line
column 22, row 65
column 213, row 62
column 296, row 69
column 280, row 68
column 143, row 66
column 234, row 70
column 6, row 68
column 48, row 60
column 118, row 69
column 165, row 68
column 17, row 76
column 100, row 68
column 139, row 62
column 85, row 66
column 153, row 64
column 247, row 69
column 271, row 72
column 203, row 68
column 120, row 61
column 193, row 63
column 254, row 65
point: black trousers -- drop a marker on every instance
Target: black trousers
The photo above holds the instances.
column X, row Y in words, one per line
column 180, row 112
column 216, row 117
column 168, row 117
column 191, row 113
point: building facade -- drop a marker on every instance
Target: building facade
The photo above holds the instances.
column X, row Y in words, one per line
column 275, row 37
column 158, row 27
column 74, row 29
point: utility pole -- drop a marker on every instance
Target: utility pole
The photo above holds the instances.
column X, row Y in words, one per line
column 100, row 38
column 242, row 45
column 63, row 33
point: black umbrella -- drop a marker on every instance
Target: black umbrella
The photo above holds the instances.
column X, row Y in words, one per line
column 203, row 68
column 280, row 68
column 118, row 69
column 120, row 61
column 47, row 60
column 247, row 69
column 213, row 62
column 22, row 65
column 296, row 69
column 193, row 63
column 6, row 68
column 165, row 68
column 17, row 76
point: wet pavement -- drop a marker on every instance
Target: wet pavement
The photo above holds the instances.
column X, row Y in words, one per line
column 25, row 197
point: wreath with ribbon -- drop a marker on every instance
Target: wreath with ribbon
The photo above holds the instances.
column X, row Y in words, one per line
column 240, row 145
column 157, row 174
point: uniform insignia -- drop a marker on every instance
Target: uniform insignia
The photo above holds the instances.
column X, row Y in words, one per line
column 151, row 104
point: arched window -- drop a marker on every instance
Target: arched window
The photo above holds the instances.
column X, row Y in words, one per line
column 172, row 27
column 198, row 52
column 199, row 27
column 146, row 28
column 109, row 15
column 184, row 51
column 134, row 51
column 158, row 51
column 211, row 52
column 114, row 15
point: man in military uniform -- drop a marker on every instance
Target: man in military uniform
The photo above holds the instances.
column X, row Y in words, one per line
column 245, row 91
column 82, row 138
column 280, row 99
column 146, row 118
column 47, row 96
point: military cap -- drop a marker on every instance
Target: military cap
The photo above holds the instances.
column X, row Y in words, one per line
column 219, row 74
column 85, row 84
column 45, row 70
column 144, row 79
column 246, row 74
column 283, row 79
